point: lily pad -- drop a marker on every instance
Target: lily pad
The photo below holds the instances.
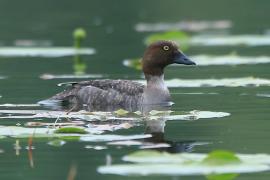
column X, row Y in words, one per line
column 230, row 40
column 214, row 163
column 221, row 158
column 108, row 116
column 71, row 130
column 121, row 112
column 49, row 52
column 70, row 76
column 109, row 137
column 231, row 59
column 192, row 25
column 179, row 169
column 179, row 37
column 19, row 105
column 225, row 82
column 263, row 95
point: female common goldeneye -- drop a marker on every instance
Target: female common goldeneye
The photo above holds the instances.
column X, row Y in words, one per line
column 108, row 95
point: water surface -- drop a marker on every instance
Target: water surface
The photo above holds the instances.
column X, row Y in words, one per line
column 111, row 32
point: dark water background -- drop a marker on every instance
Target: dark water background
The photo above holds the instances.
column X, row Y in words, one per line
column 110, row 27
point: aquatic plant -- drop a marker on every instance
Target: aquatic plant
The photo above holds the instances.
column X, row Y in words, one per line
column 79, row 65
column 76, row 130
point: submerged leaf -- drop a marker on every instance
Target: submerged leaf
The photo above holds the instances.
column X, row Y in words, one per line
column 76, row 130
column 219, row 157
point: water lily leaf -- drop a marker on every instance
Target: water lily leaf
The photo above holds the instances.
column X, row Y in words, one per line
column 72, row 130
column 231, row 59
column 187, row 25
column 231, row 40
column 121, row 112
column 49, row 52
column 141, row 154
column 212, row 164
column 139, row 113
column 113, row 137
column 221, row 176
column 179, row 37
column 263, row 95
column 69, row 76
column 225, row 82
column 155, row 112
column 219, row 157
column 179, row 169
column 107, row 116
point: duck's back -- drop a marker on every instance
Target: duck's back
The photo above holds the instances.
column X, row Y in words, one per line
column 98, row 95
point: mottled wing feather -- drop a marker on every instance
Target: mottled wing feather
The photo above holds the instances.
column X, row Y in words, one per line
column 122, row 86
column 107, row 91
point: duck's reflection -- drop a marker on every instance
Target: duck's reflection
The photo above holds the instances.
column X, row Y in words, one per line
column 157, row 128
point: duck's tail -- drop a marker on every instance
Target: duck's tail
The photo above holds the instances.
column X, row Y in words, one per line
column 65, row 100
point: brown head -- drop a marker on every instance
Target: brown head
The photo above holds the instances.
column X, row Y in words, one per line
column 160, row 54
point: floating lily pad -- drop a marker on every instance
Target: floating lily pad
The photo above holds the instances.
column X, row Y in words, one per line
column 71, row 130
column 221, row 176
column 179, row 169
column 225, row 82
column 109, row 137
column 193, row 25
column 121, row 112
column 108, row 116
column 179, row 37
column 155, row 112
column 43, row 51
column 19, row 105
column 263, row 95
column 221, row 158
column 230, row 40
column 232, row 59
column 214, row 163
column 70, row 76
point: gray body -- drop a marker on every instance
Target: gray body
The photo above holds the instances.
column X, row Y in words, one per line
column 109, row 95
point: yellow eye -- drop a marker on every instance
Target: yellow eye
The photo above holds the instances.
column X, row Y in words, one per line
column 166, row 48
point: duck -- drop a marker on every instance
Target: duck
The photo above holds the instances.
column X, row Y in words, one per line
column 109, row 95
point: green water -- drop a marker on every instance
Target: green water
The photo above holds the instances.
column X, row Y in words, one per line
column 110, row 27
